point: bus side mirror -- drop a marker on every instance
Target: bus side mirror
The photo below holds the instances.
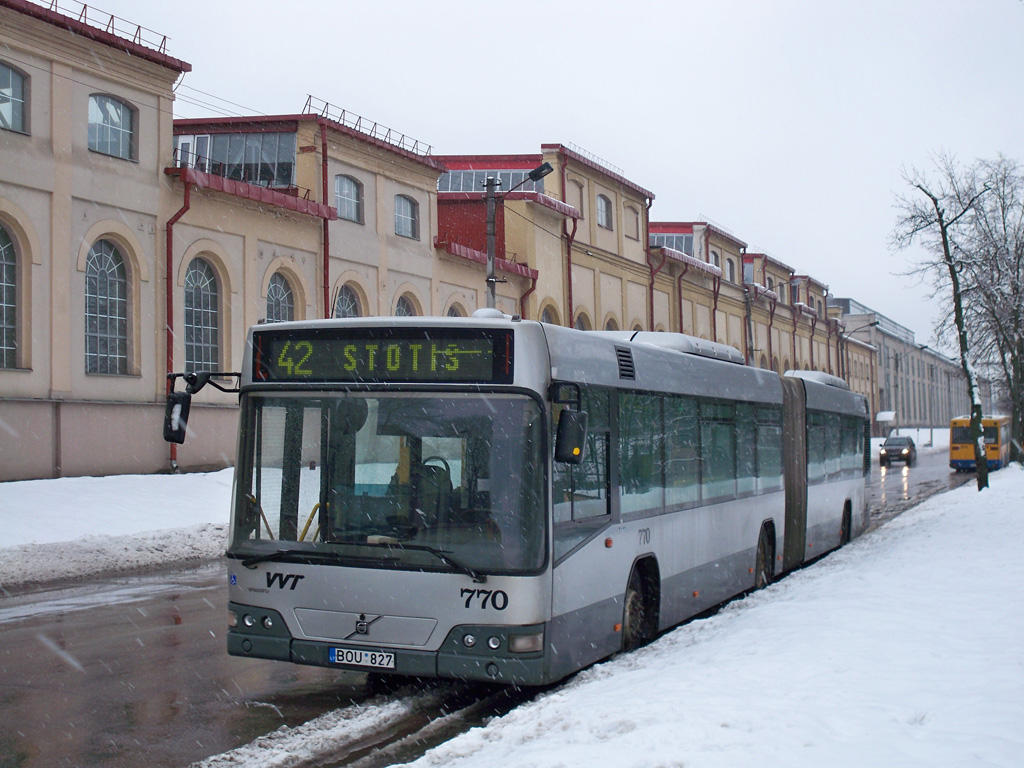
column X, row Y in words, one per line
column 176, row 416
column 571, row 436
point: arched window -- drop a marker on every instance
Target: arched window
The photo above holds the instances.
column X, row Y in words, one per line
column 404, row 307
column 346, row 304
column 111, row 127
column 106, row 310
column 611, row 325
column 348, row 198
column 12, row 99
column 548, row 316
column 280, row 300
column 407, row 217
column 716, row 259
column 456, row 310
column 202, row 317
column 604, row 212
column 8, row 302
column 582, row 322
column 730, row 270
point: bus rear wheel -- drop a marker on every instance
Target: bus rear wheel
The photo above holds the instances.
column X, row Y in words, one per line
column 636, row 620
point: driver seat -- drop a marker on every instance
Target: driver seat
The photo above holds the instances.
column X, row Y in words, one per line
column 433, row 492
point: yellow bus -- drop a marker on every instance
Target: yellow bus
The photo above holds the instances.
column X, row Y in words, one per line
column 997, row 442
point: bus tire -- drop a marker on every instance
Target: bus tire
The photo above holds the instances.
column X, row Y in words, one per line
column 764, row 563
column 636, row 618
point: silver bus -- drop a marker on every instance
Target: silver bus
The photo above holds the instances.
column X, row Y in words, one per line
column 502, row 500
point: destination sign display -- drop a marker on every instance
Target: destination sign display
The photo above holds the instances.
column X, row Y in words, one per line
column 381, row 355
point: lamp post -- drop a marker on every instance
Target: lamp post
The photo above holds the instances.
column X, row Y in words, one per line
column 846, row 349
column 490, row 186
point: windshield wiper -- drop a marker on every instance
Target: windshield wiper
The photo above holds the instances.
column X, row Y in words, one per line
column 440, row 554
column 287, row 554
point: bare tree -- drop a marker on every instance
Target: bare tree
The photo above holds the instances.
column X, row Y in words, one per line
column 936, row 223
column 991, row 251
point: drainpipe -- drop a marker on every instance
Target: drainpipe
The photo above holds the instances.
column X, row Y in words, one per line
column 714, row 309
column 748, row 330
column 327, row 233
column 169, row 299
column 647, row 258
column 525, row 296
column 828, row 347
column 679, row 284
column 814, row 324
column 569, row 238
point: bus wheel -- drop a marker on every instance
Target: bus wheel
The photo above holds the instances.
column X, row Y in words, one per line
column 635, row 620
column 764, row 565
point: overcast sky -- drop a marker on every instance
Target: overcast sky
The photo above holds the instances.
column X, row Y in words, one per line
column 788, row 122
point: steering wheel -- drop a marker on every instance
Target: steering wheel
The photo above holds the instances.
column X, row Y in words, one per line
column 443, row 462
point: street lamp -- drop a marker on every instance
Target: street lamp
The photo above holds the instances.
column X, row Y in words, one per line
column 491, row 185
column 846, row 349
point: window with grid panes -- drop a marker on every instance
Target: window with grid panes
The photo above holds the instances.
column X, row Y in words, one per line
column 202, row 317
column 280, row 301
column 8, row 302
column 106, row 310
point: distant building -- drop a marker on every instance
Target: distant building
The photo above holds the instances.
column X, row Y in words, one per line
column 914, row 385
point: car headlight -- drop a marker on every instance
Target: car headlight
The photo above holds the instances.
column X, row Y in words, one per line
column 906, row 450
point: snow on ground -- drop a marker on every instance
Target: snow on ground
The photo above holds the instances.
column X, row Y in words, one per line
column 902, row 649
column 75, row 527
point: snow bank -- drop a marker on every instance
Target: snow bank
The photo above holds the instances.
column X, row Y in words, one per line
column 82, row 526
column 901, row 649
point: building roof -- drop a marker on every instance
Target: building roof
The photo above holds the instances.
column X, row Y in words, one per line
column 270, row 123
column 108, row 36
column 490, row 162
column 576, row 157
column 686, row 228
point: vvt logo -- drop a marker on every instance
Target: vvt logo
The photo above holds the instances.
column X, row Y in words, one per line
column 283, row 579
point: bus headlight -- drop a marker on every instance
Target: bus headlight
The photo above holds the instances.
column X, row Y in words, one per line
column 232, row 619
column 526, row 643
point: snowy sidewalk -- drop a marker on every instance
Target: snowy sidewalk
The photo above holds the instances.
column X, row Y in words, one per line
column 903, row 649
column 76, row 527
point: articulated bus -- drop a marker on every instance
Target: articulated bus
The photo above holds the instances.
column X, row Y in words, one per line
column 501, row 500
column 997, row 442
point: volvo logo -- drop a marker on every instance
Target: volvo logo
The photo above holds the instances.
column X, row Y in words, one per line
column 363, row 625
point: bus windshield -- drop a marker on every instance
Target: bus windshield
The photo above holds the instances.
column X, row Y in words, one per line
column 412, row 480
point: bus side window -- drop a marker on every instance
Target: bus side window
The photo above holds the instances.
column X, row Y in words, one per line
column 580, row 492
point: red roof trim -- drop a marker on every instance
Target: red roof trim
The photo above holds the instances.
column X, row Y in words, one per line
column 566, row 152
column 253, row 192
column 214, row 125
column 252, row 123
column 77, row 27
column 671, row 228
column 686, row 228
column 534, row 197
column 490, row 162
column 465, row 252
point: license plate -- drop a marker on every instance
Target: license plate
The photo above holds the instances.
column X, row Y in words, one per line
column 372, row 659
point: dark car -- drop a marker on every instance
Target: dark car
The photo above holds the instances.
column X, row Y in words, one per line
column 897, row 449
